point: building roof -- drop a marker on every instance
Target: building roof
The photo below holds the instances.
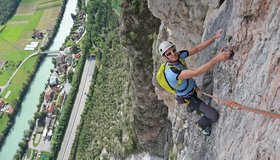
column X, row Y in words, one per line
column 53, row 81
column 10, row 109
column 67, row 50
column 49, row 92
column 50, row 108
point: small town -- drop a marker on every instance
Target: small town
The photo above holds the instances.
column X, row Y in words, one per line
column 56, row 89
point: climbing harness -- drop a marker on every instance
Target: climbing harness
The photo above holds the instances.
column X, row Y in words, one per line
column 181, row 100
column 233, row 104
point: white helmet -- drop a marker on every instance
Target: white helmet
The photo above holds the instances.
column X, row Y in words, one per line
column 164, row 46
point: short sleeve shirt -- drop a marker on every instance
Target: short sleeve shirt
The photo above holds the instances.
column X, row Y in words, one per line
column 172, row 74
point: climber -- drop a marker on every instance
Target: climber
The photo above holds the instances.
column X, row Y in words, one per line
column 185, row 91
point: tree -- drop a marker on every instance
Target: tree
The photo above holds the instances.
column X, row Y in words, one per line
column 40, row 115
column 74, row 48
column 54, row 62
column 70, row 76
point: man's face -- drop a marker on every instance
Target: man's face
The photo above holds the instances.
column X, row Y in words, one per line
column 171, row 54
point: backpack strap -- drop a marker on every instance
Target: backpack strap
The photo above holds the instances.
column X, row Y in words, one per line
column 178, row 82
column 182, row 62
column 176, row 70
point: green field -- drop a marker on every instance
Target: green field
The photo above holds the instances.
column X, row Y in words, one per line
column 4, row 120
column 19, row 80
column 13, row 40
column 14, row 36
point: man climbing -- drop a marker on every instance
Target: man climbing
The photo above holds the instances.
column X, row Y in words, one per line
column 180, row 78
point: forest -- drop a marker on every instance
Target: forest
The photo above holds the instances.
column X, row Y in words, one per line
column 106, row 128
column 8, row 8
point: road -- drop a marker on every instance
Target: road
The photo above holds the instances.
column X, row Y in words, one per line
column 77, row 110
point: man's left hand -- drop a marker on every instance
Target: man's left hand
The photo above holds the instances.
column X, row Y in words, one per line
column 218, row 34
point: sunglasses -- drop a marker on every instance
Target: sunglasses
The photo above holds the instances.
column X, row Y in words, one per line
column 169, row 53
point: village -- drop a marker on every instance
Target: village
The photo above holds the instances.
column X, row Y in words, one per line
column 57, row 87
column 56, row 91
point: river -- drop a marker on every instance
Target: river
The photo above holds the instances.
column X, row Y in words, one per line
column 31, row 99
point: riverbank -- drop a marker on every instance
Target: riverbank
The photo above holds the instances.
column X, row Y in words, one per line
column 37, row 86
column 18, row 91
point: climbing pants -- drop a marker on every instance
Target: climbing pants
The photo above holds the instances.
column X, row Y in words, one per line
column 210, row 114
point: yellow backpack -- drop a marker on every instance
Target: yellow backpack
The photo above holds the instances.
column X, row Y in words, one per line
column 161, row 78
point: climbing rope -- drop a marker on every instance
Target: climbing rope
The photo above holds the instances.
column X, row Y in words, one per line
column 233, row 104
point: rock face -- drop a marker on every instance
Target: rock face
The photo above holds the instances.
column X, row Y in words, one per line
column 251, row 77
column 151, row 125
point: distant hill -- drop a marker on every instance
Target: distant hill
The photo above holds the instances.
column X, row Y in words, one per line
column 8, row 8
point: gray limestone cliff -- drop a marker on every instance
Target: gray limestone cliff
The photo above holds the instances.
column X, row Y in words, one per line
column 251, row 78
column 152, row 127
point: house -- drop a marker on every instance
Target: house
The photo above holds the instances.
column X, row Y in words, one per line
column 81, row 29
column 59, row 88
column 49, row 95
column 69, row 59
column 53, row 81
column 82, row 14
column 9, row 109
column 60, row 59
column 37, row 34
column 67, row 50
column 41, row 122
column 62, row 68
column 75, row 36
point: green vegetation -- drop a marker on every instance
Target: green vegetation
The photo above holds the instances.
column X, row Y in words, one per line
column 116, row 6
column 49, row 5
column 11, row 49
column 70, row 42
column 36, row 140
column 34, row 154
column 45, row 156
column 23, row 145
column 107, row 119
column 3, row 122
column 8, row 8
column 20, row 81
column 12, row 33
column 29, row 152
